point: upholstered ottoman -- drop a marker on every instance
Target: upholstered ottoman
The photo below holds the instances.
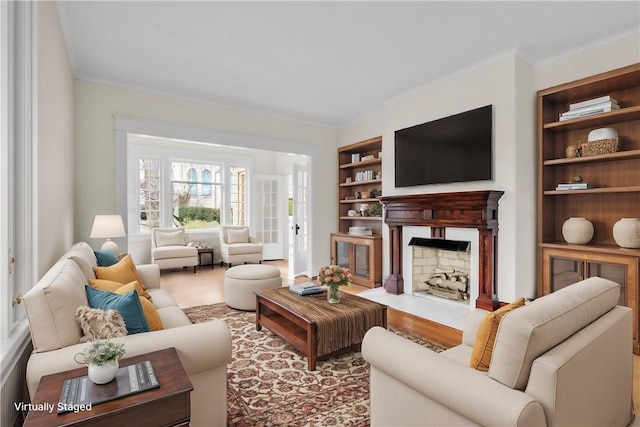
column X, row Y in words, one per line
column 242, row 280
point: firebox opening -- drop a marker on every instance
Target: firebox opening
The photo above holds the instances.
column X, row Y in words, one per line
column 441, row 268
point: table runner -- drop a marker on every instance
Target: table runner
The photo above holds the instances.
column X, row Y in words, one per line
column 338, row 325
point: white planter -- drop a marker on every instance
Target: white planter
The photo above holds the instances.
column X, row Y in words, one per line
column 104, row 373
column 577, row 231
column 626, row 233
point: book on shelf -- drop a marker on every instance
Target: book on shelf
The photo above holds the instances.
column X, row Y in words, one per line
column 574, row 115
column 592, row 101
column 129, row 380
column 574, row 186
column 307, row 288
column 593, row 107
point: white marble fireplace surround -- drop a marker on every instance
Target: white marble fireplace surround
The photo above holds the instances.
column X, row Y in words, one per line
column 446, row 312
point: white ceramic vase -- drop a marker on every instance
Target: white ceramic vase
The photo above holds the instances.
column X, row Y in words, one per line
column 577, row 231
column 626, row 233
column 102, row 374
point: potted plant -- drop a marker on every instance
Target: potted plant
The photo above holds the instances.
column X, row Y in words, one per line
column 102, row 359
column 333, row 277
column 375, row 209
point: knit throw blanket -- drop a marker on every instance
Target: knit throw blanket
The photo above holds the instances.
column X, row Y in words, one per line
column 339, row 326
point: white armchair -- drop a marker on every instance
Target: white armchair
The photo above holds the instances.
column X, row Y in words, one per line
column 170, row 248
column 238, row 245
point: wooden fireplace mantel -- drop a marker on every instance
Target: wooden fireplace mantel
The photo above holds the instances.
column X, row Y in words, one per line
column 470, row 209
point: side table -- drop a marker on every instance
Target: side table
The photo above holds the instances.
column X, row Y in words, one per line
column 167, row 405
column 204, row 251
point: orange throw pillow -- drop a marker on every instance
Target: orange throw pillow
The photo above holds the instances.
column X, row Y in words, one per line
column 150, row 313
column 124, row 271
column 111, row 286
column 486, row 337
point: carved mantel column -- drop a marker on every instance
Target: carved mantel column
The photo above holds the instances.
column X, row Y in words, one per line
column 471, row 209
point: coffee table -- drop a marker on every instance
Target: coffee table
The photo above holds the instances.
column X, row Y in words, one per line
column 167, row 405
column 315, row 327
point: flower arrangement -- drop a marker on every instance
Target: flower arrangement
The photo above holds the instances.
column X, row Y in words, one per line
column 334, row 276
column 102, row 351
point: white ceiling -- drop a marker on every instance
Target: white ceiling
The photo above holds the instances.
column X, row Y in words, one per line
column 324, row 62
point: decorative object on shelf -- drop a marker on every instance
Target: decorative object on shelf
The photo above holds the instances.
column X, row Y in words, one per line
column 375, row 209
column 379, row 154
column 102, row 359
column 369, row 157
column 577, row 231
column 358, row 195
column 333, row 277
column 361, row 231
column 626, row 233
column 364, row 209
column 365, row 194
column 108, row 227
column 355, row 157
column 379, row 175
column 601, row 141
column 572, row 151
column 352, row 212
column 374, row 193
column 347, row 179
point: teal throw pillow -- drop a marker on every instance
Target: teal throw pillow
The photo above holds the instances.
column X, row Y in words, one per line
column 106, row 258
column 128, row 305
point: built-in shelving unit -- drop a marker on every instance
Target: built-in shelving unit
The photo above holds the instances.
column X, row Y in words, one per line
column 616, row 180
column 359, row 173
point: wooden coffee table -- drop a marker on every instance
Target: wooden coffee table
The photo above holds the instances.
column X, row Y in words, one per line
column 167, row 405
column 307, row 322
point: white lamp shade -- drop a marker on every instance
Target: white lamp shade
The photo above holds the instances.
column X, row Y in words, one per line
column 107, row 226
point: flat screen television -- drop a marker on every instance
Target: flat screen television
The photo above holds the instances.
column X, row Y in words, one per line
column 457, row 148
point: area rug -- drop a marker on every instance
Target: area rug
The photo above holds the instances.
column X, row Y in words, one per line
column 269, row 384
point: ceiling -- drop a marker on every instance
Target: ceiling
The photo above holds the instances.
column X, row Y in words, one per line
column 323, row 62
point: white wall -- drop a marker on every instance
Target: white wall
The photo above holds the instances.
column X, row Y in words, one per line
column 55, row 156
column 510, row 84
column 95, row 107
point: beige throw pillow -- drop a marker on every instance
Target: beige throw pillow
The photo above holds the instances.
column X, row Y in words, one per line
column 99, row 324
column 235, row 235
column 170, row 238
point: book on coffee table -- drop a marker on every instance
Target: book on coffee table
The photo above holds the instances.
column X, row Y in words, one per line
column 308, row 288
column 130, row 379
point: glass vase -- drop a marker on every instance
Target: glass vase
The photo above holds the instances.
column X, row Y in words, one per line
column 333, row 294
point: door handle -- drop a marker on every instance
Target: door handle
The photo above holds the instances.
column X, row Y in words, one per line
column 297, row 227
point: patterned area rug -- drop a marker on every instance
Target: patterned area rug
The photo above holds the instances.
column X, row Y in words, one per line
column 269, row 384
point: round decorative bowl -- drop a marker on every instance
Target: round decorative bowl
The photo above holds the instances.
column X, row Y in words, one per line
column 626, row 233
column 577, row 231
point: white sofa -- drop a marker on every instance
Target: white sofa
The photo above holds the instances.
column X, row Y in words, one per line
column 204, row 348
column 565, row 359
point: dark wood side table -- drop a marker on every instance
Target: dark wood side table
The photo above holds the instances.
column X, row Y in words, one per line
column 168, row 405
column 205, row 251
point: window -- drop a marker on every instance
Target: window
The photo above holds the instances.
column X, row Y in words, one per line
column 195, row 203
column 149, row 184
column 238, row 195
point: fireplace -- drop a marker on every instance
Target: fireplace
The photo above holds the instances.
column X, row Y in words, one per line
column 440, row 211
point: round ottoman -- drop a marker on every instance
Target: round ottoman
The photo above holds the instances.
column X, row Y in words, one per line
column 242, row 280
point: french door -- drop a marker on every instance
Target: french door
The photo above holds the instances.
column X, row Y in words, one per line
column 300, row 219
column 271, row 215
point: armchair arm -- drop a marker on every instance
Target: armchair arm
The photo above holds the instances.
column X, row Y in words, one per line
column 150, row 275
column 464, row 391
column 200, row 346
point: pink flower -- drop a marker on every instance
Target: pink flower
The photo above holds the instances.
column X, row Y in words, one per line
column 336, row 279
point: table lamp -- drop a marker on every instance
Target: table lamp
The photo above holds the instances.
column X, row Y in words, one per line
column 107, row 227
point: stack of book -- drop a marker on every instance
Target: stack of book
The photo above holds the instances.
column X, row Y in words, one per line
column 308, row 288
column 574, row 186
column 603, row 104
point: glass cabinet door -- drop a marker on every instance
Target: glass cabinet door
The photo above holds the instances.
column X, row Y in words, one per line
column 615, row 273
column 564, row 272
column 361, row 261
column 342, row 254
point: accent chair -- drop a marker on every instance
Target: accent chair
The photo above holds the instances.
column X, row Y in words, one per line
column 237, row 245
column 170, row 248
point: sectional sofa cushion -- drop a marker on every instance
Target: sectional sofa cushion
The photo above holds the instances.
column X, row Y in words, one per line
column 240, row 235
column 84, row 256
column 105, row 258
column 51, row 307
column 128, row 305
column 150, row 313
column 170, row 238
column 526, row 333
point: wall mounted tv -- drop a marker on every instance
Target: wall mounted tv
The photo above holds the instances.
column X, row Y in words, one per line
column 458, row 148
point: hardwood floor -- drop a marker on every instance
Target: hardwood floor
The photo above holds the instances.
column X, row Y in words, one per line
column 206, row 286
